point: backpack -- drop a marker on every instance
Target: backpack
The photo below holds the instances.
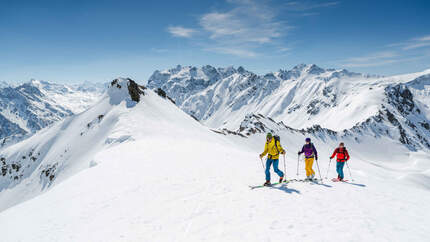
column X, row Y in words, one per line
column 277, row 139
column 311, row 147
column 343, row 152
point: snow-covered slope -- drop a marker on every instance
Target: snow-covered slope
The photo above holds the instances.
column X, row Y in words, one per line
column 31, row 106
column 176, row 180
column 63, row 148
column 302, row 97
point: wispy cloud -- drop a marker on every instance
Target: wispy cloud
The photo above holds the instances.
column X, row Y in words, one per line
column 422, row 39
column 308, row 5
column 284, row 49
column 413, row 43
column 399, row 53
column 416, row 45
column 375, row 59
column 241, row 52
column 241, row 30
column 248, row 21
column 309, row 14
column 179, row 31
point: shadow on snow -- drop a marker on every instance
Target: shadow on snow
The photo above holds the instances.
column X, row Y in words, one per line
column 286, row 189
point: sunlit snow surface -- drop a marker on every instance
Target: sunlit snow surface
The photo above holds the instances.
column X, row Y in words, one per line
column 152, row 173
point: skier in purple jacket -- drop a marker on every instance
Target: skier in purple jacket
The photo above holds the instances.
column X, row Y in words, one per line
column 310, row 154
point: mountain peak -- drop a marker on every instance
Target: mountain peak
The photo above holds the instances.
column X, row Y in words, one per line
column 125, row 89
column 308, row 68
column 314, row 69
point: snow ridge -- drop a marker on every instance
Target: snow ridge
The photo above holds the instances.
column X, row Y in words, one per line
column 59, row 151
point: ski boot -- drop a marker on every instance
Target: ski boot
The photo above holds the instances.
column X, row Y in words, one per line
column 281, row 179
column 267, row 183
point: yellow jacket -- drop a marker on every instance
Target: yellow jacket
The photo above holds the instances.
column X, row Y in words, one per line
column 270, row 149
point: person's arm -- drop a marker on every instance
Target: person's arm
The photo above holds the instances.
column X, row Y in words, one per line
column 281, row 150
column 315, row 152
column 347, row 155
column 334, row 153
column 266, row 149
column 303, row 150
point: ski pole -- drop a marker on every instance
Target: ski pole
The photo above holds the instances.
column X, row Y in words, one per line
column 262, row 164
column 352, row 179
column 298, row 158
column 319, row 172
column 328, row 169
column 285, row 168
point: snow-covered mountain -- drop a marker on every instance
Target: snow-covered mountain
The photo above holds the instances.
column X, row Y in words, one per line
column 134, row 167
column 304, row 96
column 31, row 106
column 67, row 147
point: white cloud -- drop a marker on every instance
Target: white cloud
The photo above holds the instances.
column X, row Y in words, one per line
column 424, row 38
column 284, row 49
column 413, row 43
column 382, row 58
column 247, row 22
column 179, row 31
column 247, row 26
column 233, row 51
column 375, row 59
column 309, row 14
column 403, row 53
column 374, row 56
column 299, row 6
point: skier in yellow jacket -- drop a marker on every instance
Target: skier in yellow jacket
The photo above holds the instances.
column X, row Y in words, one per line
column 273, row 148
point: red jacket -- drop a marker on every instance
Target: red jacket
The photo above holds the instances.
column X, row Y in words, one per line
column 342, row 154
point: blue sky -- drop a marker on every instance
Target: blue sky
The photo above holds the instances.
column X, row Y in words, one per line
column 75, row 41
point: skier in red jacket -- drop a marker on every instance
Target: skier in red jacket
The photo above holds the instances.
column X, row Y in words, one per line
column 342, row 157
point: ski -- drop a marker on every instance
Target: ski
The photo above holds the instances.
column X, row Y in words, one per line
column 287, row 181
column 336, row 180
column 271, row 185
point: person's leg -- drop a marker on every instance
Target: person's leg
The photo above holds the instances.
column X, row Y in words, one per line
column 311, row 164
column 308, row 171
column 341, row 165
column 268, row 164
column 337, row 168
column 276, row 169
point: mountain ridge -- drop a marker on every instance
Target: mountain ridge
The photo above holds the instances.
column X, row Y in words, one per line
column 303, row 97
column 28, row 107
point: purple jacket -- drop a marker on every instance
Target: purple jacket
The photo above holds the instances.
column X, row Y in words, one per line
column 309, row 150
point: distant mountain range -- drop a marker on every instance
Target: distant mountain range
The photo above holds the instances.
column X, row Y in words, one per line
column 303, row 97
column 29, row 107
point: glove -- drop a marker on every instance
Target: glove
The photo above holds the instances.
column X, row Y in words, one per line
column 283, row 152
column 316, row 157
column 261, row 156
column 298, row 153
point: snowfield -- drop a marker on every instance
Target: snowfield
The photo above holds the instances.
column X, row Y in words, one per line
column 147, row 171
